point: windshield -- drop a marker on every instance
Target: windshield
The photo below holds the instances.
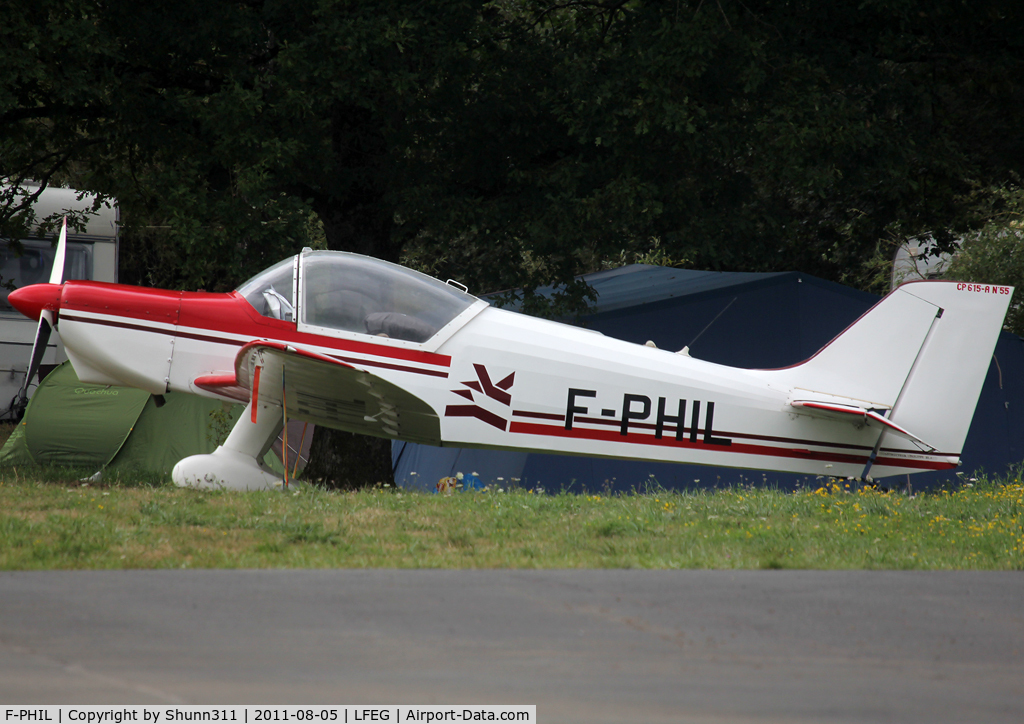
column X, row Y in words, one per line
column 360, row 294
column 270, row 292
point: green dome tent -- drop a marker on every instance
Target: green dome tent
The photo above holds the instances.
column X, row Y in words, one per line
column 76, row 424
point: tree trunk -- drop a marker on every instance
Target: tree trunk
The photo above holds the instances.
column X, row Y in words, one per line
column 357, row 219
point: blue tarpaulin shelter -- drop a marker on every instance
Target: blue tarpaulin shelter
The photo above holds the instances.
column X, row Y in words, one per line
column 740, row 319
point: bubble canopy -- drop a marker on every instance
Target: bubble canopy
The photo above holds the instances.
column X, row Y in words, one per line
column 354, row 293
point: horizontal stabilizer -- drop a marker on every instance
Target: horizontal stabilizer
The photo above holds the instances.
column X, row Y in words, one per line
column 859, row 415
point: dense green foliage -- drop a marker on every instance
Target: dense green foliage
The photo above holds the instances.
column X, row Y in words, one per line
column 995, row 253
column 518, row 142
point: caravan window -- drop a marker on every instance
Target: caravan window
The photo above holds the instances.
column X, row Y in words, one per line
column 33, row 266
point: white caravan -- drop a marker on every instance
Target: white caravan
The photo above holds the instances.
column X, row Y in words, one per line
column 91, row 254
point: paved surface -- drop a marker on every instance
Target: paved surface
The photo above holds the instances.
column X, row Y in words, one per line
column 584, row 646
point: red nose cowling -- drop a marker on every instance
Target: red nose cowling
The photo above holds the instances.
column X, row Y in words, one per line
column 32, row 300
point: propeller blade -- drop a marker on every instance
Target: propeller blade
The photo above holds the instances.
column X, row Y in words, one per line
column 38, row 350
column 57, row 273
column 46, row 316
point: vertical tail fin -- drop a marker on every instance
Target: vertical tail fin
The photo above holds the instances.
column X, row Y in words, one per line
column 918, row 358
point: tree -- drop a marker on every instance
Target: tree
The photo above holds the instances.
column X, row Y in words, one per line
column 543, row 136
column 994, row 254
column 745, row 136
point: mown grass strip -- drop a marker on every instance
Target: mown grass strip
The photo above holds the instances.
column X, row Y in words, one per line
column 51, row 520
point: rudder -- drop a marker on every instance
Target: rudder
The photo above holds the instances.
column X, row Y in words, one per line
column 942, row 391
column 919, row 358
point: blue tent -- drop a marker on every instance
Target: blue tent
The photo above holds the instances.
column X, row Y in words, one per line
column 739, row 319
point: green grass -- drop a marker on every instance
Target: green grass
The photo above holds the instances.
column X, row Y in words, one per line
column 51, row 520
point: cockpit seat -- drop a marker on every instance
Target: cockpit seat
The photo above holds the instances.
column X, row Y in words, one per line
column 399, row 326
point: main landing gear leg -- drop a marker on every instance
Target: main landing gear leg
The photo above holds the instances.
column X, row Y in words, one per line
column 233, row 465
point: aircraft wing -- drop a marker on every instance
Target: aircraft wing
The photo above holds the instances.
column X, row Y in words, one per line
column 326, row 392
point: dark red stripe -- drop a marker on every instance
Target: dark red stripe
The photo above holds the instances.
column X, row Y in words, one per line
column 669, row 428
column 531, row 428
column 478, row 412
column 538, row 415
column 389, row 366
column 120, row 325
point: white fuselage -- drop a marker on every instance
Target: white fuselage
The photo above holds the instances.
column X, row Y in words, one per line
column 498, row 379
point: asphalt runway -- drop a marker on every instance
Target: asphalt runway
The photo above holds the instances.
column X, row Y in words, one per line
column 584, row 646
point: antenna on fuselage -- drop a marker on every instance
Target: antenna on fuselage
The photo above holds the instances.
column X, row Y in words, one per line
column 686, row 350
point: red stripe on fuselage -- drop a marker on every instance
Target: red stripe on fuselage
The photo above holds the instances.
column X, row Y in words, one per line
column 221, row 313
column 533, row 428
column 670, row 430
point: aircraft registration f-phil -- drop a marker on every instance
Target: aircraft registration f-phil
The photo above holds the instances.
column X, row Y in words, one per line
column 358, row 344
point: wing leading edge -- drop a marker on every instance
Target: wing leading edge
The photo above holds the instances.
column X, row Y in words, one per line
column 326, row 392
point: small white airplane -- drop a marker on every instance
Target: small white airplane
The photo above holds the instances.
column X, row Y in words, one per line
column 358, row 344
